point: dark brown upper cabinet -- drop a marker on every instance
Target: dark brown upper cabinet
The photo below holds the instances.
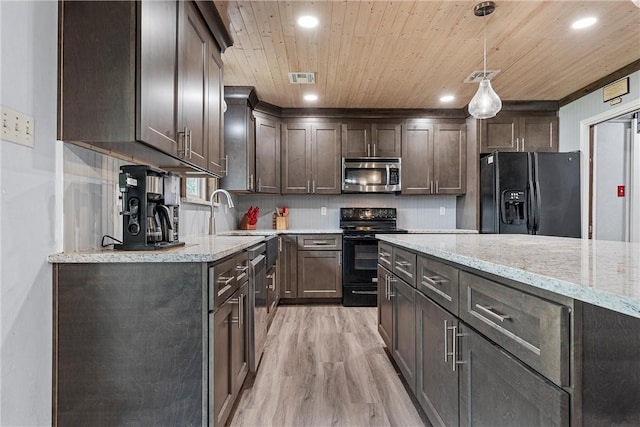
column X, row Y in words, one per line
column 311, row 161
column 434, row 158
column 512, row 133
column 141, row 80
column 380, row 139
column 267, row 154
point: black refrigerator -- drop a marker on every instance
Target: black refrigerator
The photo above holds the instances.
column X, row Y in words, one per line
column 530, row 193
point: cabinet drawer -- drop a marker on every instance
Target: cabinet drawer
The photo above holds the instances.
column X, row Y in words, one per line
column 404, row 265
column 319, row 242
column 439, row 282
column 531, row 328
column 222, row 281
column 384, row 255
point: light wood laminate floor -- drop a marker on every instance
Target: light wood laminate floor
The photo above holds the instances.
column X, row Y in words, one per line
column 325, row 366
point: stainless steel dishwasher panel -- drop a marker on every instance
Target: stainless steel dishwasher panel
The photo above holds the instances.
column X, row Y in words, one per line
column 257, row 305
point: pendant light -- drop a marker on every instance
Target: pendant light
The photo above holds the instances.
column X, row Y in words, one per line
column 485, row 103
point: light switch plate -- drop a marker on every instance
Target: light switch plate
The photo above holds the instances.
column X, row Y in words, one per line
column 323, row 210
column 17, row 127
column 442, row 210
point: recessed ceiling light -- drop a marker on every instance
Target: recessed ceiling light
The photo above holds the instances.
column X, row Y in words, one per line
column 308, row 21
column 447, row 98
column 310, row 97
column 583, row 23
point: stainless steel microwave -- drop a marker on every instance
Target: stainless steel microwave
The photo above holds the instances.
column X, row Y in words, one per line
column 370, row 175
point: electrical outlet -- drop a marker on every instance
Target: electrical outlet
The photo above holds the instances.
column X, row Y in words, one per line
column 442, row 210
column 323, row 210
column 17, row 127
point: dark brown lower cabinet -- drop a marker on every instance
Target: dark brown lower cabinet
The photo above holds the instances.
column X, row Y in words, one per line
column 436, row 370
column 404, row 329
column 498, row 390
column 319, row 274
column 385, row 306
column 229, row 350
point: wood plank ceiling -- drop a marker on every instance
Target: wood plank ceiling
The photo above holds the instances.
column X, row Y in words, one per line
column 407, row 54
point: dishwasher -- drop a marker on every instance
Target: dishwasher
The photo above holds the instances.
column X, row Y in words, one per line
column 257, row 304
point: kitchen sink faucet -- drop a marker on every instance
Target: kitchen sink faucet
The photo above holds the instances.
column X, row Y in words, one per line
column 212, row 221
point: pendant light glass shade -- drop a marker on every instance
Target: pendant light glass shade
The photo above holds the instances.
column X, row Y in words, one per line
column 485, row 103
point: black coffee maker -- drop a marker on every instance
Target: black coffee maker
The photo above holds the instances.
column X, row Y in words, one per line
column 150, row 208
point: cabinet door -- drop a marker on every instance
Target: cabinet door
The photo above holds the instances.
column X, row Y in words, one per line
column 326, row 169
column 356, row 139
column 267, row 155
column 538, row 133
column 386, row 139
column 319, row 274
column 214, row 143
column 404, row 330
column 289, row 267
column 220, row 323
column 450, row 158
column 239, row 337
column 498, row 390
column 437, row 381
column 296, row 158
column 157, row 78
column 239, row 141
column 192, row 73
column 498, row 133
column 417, row 159
column 385, row 307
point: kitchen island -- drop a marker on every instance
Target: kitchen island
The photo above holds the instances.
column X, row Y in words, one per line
column 534, row 330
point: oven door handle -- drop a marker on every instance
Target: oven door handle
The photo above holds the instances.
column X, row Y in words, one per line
column 364, row 292
column 364, row 237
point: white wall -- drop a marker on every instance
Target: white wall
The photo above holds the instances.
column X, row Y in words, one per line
column 27, row 206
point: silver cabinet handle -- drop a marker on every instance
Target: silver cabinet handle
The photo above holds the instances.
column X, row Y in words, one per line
column 374, row 151
column 241, row 311
column 308, row 190
column 434, row 280
column 492, row 312
column 384, row 254
column 437, row 187
column 279, row 244
column 251, row 182
column 242, row 268
column 454, row 338
column 190, row 144
column 431, row 187
column 403, row 263
column 446, row 341
column 225, row 280
column 339, row 259
column 314, row 186
column 517, row 144
column 368, row 150
column 392, row 280
column 226, row 167
column 259, row 185
column 182, row 152
column 320, row 242
column 386, row 287
column 522, row 143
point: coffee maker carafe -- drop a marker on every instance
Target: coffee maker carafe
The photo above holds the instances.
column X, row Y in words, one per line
column 150, row 208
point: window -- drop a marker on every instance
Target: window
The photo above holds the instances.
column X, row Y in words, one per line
column 198, row 189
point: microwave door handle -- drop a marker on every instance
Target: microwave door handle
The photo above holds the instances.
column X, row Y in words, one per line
column 388, row 176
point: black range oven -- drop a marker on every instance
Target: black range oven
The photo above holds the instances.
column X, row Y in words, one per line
column 360, row 252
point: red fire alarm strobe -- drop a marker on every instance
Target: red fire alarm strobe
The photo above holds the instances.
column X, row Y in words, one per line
column 620, row 190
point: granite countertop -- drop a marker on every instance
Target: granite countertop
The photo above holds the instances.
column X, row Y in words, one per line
column 201, row 248
column 602, row 273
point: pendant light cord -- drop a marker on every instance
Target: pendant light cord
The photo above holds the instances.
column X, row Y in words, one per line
column 484, row 69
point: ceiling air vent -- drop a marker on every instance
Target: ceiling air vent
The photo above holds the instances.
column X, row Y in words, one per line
column 302, row 78
column 477, row 76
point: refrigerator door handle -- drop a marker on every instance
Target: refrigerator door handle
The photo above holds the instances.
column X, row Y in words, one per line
column 531, row 196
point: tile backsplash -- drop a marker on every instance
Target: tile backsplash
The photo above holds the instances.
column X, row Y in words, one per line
column 92, row 208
